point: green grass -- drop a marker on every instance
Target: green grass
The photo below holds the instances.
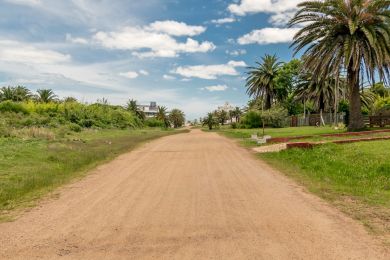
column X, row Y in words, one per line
column 243, row 135
column 355, row 177
column 34, row 167
column 279, row 132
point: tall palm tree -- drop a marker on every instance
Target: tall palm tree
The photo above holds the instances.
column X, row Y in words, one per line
column 261, row 80
column 177, row 118
column 349, row 34
column 46, row 95
column 133, row 107
column 7, row 93
column 162, row 115
column 22, row 93
column 210, row 121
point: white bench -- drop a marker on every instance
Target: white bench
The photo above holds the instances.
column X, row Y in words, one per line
column 259, row 140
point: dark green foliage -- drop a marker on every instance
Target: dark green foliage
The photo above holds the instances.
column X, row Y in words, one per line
column 261, row 80
column 153, row 122
column 9, row 106
column 252, row 119
column 177, row 118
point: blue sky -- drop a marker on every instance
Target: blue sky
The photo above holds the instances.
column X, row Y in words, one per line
column 188, row 54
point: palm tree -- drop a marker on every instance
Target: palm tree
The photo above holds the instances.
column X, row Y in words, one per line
column 261, row 80
column 349, row 34
column 177, row 118
column 133, row 107
column 46, row 95
column 210, row 121
column 162, row 115
column 237, row 113
column 222, row 116
column 7, row 93
column 22, row 93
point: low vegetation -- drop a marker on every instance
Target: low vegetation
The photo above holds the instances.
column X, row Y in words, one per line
column 32, row 166
column 355, row 177
column 46, row 142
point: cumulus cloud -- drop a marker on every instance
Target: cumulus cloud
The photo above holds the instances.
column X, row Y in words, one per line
column 224, row 20
column 168, row 77
column 281, row 10
column 236, row 52
column 25, row 2
column 13, row 51
column 175, row 28
column 146, row 43
column 268, row 36
column 144, row 72
column 129, row 74
column 216, row 88
column 76, row 40
column 210, row 71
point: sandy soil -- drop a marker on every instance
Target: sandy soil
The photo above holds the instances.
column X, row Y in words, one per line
column 188, row 196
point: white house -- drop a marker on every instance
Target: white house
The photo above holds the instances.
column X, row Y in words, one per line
column 149, row 110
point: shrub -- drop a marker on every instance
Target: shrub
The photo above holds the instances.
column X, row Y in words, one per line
column 275, row 117
column 382, row 105
column 153, row 122
column 9, row 106
column 75, row 127
column 252, row 119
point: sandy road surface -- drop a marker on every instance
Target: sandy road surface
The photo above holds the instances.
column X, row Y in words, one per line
column 189, row 196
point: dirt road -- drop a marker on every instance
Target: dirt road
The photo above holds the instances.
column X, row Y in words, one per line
column 188, row 196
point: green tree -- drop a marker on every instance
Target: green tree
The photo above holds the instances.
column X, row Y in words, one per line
column 177, row 118
column 380, row 89
column 162, row 115
column 210, row 121
column 349, row 34
column 287, row 79
column 46, row 95
column 261, row 80
column 222, row 116
column 133, row 107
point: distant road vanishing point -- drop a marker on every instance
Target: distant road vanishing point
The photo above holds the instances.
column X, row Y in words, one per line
column 188, row 196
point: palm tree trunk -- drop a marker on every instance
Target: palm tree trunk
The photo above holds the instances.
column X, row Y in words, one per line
column 267, row 104
column 355, row 108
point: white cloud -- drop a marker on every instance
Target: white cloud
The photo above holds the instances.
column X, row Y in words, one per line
column 175, row 28
column 210, row 71
column 144, row 72
column 156, row 44
column 129, row 74
column 280, row 19
column 224, row 20
column 263, row 6
column 269, row 36
column 236, row 52
column 168, row 77
column 12, row 51
column 25, row 2
column 77, row 40
column 216, row 88
column 281, row 10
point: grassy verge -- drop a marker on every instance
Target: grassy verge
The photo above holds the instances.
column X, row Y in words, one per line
column 243, row 135
column 31, row 168
column 354, row 177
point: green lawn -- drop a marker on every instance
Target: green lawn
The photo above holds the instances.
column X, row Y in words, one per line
column 34, row 167
column 279, row 132
column 355, row 177
column 243, row 135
